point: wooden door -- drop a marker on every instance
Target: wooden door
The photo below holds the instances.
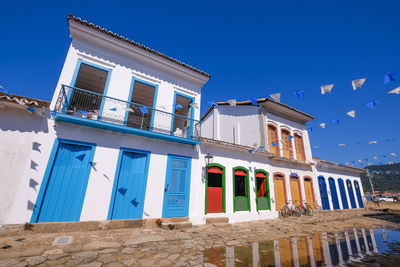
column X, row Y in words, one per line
column 295, row 188
column 309, row 192
column 287, row 152
column 280, row 198
column 214, row 190
column 273, row 140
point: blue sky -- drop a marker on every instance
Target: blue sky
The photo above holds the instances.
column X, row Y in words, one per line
column 251, row 48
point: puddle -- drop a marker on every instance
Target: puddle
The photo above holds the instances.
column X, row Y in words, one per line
column 355, row 247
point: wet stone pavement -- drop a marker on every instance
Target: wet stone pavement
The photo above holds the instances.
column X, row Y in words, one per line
column 196, row 246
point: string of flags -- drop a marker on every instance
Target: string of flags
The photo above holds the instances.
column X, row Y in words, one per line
column 357, row 143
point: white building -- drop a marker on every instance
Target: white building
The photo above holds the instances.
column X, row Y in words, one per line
column 122, row 141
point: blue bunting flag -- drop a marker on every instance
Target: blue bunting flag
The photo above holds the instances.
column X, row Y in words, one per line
column 212, row 103
column 83, row 112
column 299, row 93
column 113, row 109
column 251, row 151
column 253, row 100
column 372, row 104
column 53, row 113
column 178, row 106
column 31, row 109
column 335, row 120
column 274, row 144
column 144, row 110
column 390, row 77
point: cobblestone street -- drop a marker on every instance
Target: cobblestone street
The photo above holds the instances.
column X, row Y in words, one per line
column 153, row 246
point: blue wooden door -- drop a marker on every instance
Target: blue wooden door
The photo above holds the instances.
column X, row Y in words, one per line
column 335, row 200
column 64, row 191
column 177, row 187
column 351, row 194
column 130, row 183
column 358, row 192
column 323, row 192
column 343, row 194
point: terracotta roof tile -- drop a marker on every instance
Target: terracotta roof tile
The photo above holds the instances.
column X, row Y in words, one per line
column 127, row 40
column 23, row 100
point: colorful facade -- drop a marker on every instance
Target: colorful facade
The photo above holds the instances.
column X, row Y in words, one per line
column 123, row 139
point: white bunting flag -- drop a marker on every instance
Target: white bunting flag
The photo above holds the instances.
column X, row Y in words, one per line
column 373, row 142
column 395, row 91
column 326, row 88
column 393, row 154
column 322, row 125
column 352, row 113
column 276, row 97
column 194, row 105
column 129, row 109
column 232, row 102
column 342, row 144
column 375, row 157
column 358, row 83
column 359, row 160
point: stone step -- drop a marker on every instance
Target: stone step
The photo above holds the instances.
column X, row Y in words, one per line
column 217, row 220
column 175, row 219
column 221, row 225
column 175, row 225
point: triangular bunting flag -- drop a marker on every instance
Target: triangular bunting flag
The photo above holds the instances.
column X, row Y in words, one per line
column 299, row 93
column 309, row 129
column 5, row 90
column 335, row 120
column 83, row 112
column 358, row 83
column 352, row 113
column 129, row 109
column 342, row 144
column 195, row 105
column 31, row 109
column 390, row 77
column 326, row 88
column 251, row 151
column 393, row 154
column 276, row 97
column 375, row 157
column 371, row 104
column 53, row 113
column 178, row 106
column 232, row 102
column 144, row 110
column 113, row 109
column 274, row 144
column 395, row 91
column 253, row 100
column 212, row 103
column 373, row 142
column 322, row 125
column 290, row 138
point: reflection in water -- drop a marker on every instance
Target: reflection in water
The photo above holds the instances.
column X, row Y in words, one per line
column 320, row 249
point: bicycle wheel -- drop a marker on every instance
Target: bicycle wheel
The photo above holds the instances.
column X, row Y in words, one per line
column 297, row 211
column 285, row 212
column 310, row 211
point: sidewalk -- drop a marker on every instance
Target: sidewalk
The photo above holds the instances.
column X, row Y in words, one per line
column 152, row 246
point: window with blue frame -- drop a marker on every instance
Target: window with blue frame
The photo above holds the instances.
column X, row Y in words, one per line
column 144, row 95
column 91, row 79
column 182, row 125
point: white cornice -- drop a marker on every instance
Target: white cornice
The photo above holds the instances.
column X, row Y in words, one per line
column 90, row 35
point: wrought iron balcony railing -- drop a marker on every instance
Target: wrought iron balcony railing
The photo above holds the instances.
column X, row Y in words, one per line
column 93, row 106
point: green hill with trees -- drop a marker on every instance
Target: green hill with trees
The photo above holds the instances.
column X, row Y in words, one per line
column 388, row 181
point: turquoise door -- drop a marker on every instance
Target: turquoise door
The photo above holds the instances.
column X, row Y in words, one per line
column 335, row 200
column 323, row 192
column 64, row 185
column 127, row 200
column 177, row 187
column 351, row 194
column 343, row 194
column 358, row 192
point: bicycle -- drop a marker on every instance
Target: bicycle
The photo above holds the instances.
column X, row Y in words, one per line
column 289, row 209
column 306, row 209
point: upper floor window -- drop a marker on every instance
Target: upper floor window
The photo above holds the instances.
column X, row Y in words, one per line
column 273, row 140
column 287, row 145
column 182, row 108
column 298, row 142
column 91, row 79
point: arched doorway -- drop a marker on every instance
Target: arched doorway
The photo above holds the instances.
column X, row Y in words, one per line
column 215, row 189
column 332, row 187
column 295, row 189
column 308, row 187
column 323, row 192
column 262, row 187
column 280, row 191
column 241, row 199
column 358, row 192
column 343, row 194
column 351, row 194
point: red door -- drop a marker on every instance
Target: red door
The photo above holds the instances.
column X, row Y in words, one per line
column 214, row 190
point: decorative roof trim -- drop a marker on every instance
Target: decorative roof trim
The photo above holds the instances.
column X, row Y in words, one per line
column 23, row 100
column 334, row 164
column 136, row 44
column 295, row 161
column 259, row 100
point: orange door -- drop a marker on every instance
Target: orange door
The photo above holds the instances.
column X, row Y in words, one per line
column 279, row 192
column 294, row 185
column 303, row 251
column 317, row 248
column 273, row 140
column 309, row 192
column 214, row 190
column 287, row 152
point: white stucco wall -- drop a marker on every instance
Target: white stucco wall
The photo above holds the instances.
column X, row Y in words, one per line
column 18, row 128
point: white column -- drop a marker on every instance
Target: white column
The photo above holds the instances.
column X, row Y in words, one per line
column 311, row 252
column 357, row 242
column 346, row 234
column 325, row 249
column 365, row 241
column 230, row 256
column 256, row 254
column 295, row 252
column 371, row 232
column 277, row 254
column 339, row 249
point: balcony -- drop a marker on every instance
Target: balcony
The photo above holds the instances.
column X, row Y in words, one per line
column 88, row 108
